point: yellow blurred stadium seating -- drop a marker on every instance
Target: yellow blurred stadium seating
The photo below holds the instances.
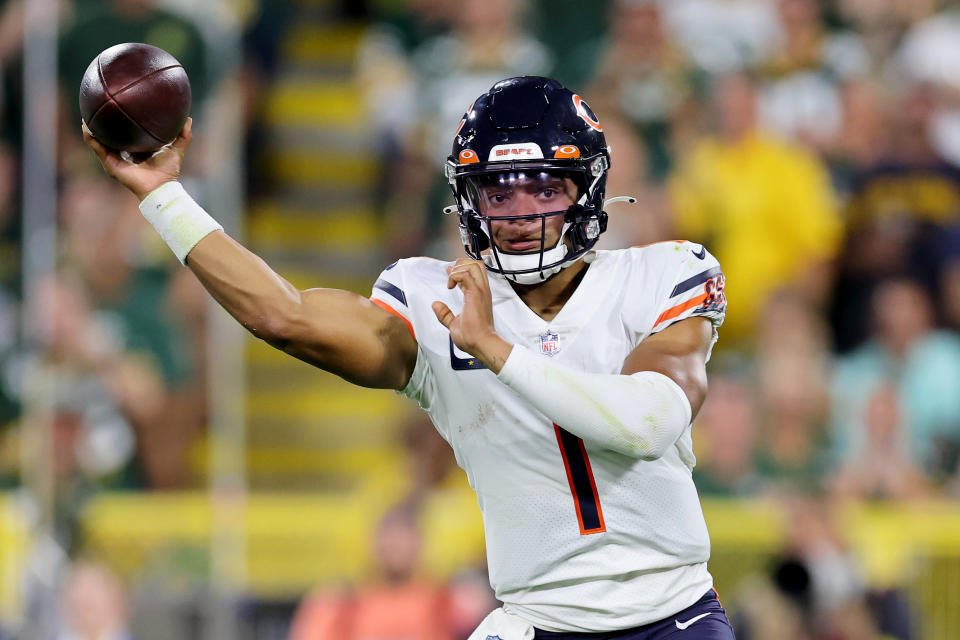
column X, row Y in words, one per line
column 296, row 542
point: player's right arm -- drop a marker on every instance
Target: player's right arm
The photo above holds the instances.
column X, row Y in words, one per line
column 338, row 331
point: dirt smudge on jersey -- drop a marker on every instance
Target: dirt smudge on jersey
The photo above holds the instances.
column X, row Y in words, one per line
column 484, row 414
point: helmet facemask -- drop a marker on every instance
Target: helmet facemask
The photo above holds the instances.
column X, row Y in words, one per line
column 582, row 224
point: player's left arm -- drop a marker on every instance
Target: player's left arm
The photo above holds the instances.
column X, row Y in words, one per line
column 679, row 352
column 640, row 412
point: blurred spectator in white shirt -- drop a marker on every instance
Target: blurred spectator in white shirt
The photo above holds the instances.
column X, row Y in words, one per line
column 800, row 98
column 724, row 35
column 930, row 54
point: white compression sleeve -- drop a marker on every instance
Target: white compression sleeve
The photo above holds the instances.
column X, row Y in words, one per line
column 181, row 222
column 640, row 415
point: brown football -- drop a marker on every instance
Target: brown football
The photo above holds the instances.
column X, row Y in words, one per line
column 135, row 97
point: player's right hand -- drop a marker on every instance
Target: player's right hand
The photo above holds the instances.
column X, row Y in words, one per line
column 143, row 177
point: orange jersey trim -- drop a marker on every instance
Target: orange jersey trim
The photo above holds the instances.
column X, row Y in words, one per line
column 673, row 312
column 383, row 305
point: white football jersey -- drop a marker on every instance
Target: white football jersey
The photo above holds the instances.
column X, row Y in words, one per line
column 578, row 538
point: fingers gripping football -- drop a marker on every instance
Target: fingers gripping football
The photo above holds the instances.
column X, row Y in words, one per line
column 143, row 177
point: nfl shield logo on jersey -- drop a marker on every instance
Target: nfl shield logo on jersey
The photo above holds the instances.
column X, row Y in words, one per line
column 549, row 343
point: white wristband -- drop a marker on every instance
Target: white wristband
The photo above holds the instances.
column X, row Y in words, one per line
column 179, row 220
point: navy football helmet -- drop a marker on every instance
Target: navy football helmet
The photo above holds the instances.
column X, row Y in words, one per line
column 526, row 128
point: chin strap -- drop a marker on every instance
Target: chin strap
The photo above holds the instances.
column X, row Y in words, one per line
column 523, row 262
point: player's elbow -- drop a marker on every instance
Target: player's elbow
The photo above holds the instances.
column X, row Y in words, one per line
column 653, row 429
column 653, row 454
column 278, row 326
column 644, row 437
column 655, row 438
column 274, row 316
column 639, row 450
column 273, row 331
column 661, row 418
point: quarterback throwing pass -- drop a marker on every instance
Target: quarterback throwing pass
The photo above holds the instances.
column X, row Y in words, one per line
column 565, row 378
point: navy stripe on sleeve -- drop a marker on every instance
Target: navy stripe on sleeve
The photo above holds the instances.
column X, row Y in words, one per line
column 390, row 288
column 698, row 279
column 463, row 364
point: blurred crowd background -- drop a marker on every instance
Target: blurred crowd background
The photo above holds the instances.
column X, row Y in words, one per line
column 163, row 476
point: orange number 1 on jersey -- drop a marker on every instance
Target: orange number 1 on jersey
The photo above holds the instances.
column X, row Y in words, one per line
column 582, row 485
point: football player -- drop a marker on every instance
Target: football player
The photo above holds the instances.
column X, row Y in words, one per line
column 564, row 378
